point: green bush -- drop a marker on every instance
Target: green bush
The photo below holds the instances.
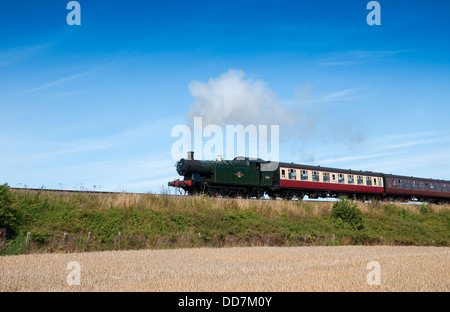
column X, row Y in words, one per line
column 39, row 237
column 5, row 196
column 424, row 208
column 347, row 213
column 8, row 216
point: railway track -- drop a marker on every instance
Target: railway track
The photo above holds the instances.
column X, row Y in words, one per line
column 40, row 190
column 99, row 193
column 84, row 192
column 103, row 193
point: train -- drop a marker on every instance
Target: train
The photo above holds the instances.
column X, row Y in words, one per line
column 255, row 178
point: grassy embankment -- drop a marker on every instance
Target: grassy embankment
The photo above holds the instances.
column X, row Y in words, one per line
column 161, row 221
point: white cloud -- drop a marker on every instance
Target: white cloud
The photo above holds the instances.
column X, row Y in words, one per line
column 233, row 99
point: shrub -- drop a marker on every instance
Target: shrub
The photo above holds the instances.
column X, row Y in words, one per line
column 5, row 196
column 347, row 213
column 8, row 215
column 424, row 208
column 40, row 237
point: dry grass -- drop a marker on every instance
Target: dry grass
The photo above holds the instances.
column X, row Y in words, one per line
column 126, row 200
column 263, row 269
column 156, row 201
column 130, row 201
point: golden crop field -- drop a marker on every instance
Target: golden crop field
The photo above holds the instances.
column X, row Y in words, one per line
column 248, row 269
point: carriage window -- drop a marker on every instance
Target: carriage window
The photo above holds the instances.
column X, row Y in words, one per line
column 444, row 187
column 350, row 179
column 283, row 173
column 360, row 180
column 341, row 178
column 400, row 183
column 292, row 174
column 326, row 177
column 333, row 177
column 431, row 187
column 304, row 175
column 315, row 176
column 438, row 187
column 414, row 185
column 368, row 181
column 421, row 186
column 407, row 185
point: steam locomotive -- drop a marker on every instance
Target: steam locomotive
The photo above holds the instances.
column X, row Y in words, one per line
column 247, row 177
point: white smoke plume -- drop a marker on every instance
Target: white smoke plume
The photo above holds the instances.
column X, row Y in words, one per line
column 233, row 99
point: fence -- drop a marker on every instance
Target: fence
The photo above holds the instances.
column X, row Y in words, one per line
column 66, row 241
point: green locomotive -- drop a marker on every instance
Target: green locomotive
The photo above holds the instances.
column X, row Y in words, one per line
column 240, row 177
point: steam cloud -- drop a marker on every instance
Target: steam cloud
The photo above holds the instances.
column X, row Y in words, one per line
column 232, row 99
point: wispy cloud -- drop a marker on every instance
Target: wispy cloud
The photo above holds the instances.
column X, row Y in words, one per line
column 355, row 57
column 135, row 174
column 354, row 158
column 28, row 149
column 64, row 94
column 409, row 154
column 360, row 54
column 59, row 81
column 305, row 97
column 100, row 160
column 381, row 146
column 46, row 152
column 338, row 63
column 341, row 95
column 422, row 163
column 20, row 54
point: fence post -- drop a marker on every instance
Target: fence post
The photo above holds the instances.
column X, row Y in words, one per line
column 28, row 241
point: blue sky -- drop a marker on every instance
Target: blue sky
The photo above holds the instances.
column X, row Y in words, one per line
column 92, row 106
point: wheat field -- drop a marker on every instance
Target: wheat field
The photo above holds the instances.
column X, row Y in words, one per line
column 248, row 269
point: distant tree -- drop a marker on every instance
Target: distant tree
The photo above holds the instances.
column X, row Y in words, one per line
column 8, row 215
